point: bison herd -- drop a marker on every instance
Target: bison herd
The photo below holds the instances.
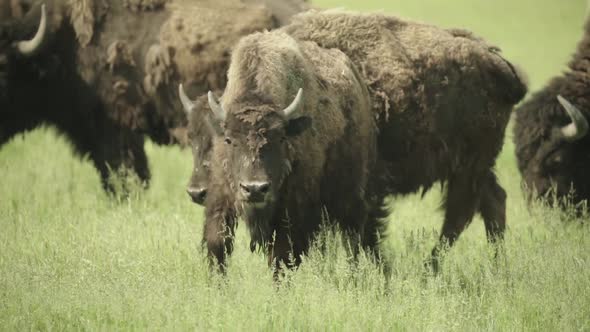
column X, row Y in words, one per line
column 294, row 116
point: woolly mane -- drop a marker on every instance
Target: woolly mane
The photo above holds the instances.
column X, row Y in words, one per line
column 202, row 37
column 392, row 54
column 283, row 68
column 82, row 17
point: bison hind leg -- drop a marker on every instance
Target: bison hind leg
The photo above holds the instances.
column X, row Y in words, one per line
column 493, row 208
column 493, row 211
column 465, row 196
column 460, row 204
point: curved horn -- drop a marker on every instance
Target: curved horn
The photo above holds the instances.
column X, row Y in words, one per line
column 29, row 47
column 215, row 107
column 290, row 110
column 579, row 126
column 187, row 104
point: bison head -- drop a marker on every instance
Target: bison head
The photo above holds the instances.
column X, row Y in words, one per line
column 256, row 145
column 15, row 48
column 555, row 164
column 201, row 145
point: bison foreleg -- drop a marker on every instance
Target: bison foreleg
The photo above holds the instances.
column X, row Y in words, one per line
column 119, row 154
column 218, row 235
column 283, row 252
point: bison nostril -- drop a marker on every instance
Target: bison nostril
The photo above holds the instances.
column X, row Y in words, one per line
column 255, row 189
column 197, row 194
column 245, row 188
column 263, row 188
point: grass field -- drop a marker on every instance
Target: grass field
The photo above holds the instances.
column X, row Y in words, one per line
column 73, row 259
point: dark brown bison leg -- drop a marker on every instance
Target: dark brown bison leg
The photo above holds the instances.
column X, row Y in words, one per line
column 219, row 230
column 219, row 238
column 121, row 151
column 283, row 252
column 460, row 205
column 493, row 208
column 375, row 227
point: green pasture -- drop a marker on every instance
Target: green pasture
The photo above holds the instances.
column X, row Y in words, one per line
column 72, row 258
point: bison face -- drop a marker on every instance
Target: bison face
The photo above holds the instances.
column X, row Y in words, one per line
column 256, row 145
column 201, row 149
column 556, row 164
column 14, row 51
column 200, row 137
column 257, row 141
column 551, row 171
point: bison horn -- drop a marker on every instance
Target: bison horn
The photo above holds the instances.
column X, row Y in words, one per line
column 187, row 104
column 215, row 107
column 29, row 47
column 579, row 126
column 290, row 110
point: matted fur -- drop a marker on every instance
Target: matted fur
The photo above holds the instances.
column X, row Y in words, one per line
column 542, row 158
column 202, row 37
column 141, row 5
column 82, row 18
column 391, row 52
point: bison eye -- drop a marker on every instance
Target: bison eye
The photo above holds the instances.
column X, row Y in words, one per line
column 227, row 140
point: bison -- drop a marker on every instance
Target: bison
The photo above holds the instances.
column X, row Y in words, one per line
column 105, row 72
column 550, row 134
column 294, row 143
column 443, row 98
column 440, row 100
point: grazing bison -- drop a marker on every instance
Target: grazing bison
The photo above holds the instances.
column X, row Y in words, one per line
column 550, row 133
column 294, row 141
column 443, row 98
column 105, row 72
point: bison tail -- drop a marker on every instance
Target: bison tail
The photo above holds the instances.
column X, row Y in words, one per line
column 520, row 87
column 510, row 81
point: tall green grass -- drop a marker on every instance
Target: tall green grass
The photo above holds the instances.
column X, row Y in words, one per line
column 73, row 259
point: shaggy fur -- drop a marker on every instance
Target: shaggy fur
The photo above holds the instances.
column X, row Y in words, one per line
column 443, row 99
column 545, row 160
column 108, row 71
column 321, row 172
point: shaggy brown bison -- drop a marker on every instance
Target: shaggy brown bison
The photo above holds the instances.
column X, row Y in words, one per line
column 550, row 134
column 294, row 143
column 443, row 98
column 105, row 72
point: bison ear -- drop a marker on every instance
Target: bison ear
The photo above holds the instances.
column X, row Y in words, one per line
column 298, row 125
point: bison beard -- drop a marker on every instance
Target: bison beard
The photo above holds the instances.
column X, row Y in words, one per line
column 551, row 135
